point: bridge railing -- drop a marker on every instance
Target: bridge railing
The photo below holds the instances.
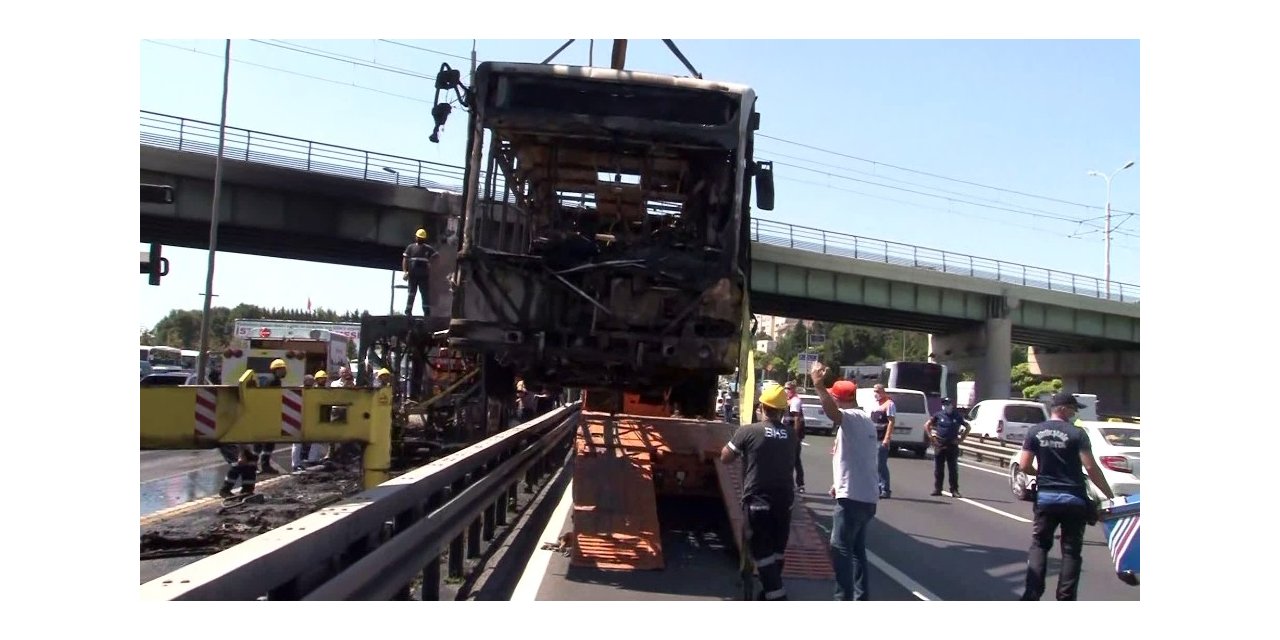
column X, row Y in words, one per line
column 184, row 134
column 195, row 136
column 888, row 252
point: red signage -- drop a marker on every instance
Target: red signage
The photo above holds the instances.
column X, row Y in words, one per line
column 264, row 332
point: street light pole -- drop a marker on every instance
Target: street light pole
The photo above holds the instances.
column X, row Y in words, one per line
column 1107, row 224
column 202, row 361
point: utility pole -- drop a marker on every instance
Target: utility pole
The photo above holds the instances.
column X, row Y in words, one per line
column 472, row 79
column 202, row 361
column 1107, row 226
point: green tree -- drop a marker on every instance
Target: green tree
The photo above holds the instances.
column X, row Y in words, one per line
column 1031, row 385
column 1049, row 387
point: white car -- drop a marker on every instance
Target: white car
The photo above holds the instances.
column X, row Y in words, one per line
column 1116, row 447
column 815, row 419
column 1006, row 420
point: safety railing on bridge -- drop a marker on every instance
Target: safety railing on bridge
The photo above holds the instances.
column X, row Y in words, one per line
column 888, row 252
column 184, row 134
column 381, row 543
column 195, row 136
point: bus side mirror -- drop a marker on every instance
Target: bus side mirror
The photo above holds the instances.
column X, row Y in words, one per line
column 764, row 185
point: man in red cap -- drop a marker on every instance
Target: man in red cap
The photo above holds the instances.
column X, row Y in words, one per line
column 855, row 484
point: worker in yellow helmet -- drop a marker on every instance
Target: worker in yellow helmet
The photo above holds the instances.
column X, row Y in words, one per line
column 416, row 264
column 768, row 452
column 279, row 369
column 383, row 378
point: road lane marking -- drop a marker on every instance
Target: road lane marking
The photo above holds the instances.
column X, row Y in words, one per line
column 993, row 471
column 199, row 503
column 531, row 580
column 991, row 509
column 901, row 578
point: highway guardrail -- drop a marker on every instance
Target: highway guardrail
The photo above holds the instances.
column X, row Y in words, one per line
column 377, row 544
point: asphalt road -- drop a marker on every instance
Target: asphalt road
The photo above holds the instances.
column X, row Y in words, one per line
column 921, row 547
column 171, row 478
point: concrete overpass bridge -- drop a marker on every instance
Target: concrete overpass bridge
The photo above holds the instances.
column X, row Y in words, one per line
column 290, row 198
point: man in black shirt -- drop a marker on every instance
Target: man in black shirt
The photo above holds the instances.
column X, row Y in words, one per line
column 1059, row 449
column 768, row 454
column 417, row 271
column 947, row 429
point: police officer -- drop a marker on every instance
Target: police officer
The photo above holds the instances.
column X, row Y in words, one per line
column 947, row 429
column 417, row 271
column 768, row 453
column 1059, row 449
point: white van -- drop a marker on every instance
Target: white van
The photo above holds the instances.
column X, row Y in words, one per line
column 1006, row 420
column 1090, row 412
column 912, row 414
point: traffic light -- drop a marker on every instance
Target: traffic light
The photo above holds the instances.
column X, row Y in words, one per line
column 157, row 194
column 155, row 266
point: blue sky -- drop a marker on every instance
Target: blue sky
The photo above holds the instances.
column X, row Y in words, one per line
column 1029, row 116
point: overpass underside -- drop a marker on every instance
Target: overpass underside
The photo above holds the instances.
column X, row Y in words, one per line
column 281, row 212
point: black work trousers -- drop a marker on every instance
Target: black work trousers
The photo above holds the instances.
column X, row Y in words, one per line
column 264, row 452
column 947, row 453
column 418, row 284
column 1048, row 517
column 798, row 427
column 768, row 520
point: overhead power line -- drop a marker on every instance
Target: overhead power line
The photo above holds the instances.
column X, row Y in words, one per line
column 290, row 72
column 933, row 195
column 940, row 177
column 969, row 199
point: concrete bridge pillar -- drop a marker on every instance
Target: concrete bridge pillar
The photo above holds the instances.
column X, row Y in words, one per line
column 1111, row 375
column 986, row 350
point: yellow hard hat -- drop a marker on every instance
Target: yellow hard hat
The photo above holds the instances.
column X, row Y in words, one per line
column 322, row 375
column 774, row 397
column 383, row 372
column 279, row 364
column 421, row 234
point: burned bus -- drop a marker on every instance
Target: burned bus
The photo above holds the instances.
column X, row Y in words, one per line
column 605, row 232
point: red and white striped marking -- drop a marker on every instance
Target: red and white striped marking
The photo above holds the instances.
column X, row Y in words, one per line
column 291, row 413
column 206, row 413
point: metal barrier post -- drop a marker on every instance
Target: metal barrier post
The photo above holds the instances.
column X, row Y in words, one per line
column 377, row 453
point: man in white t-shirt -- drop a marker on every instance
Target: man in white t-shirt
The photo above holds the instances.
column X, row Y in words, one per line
column 855, row 484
